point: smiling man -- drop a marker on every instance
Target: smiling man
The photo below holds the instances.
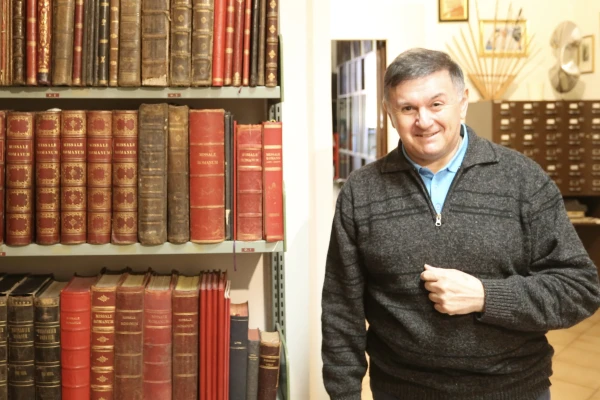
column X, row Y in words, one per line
column 457, row 251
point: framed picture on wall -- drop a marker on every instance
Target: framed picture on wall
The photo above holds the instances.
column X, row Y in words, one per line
column 500, row 38
column 453, row 10
column 585, row 57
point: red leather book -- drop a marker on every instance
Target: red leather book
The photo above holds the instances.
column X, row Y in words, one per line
column 227, row 336
column 238, row 42
column 211, row 334
column 246, row 47
column 75, row 333
column 220, row 321
column 78, row 44
column 124, row 181
column 73, row 167
column 31, row 35
column 249, row 182
column 158, row 324
column 273, row 181
column 44, row 48
column 19, row 178
column 218, row 66
column 229, row 35
column 207, row 176
column 186, row 301
column 234, row 183
column 99, row 179
column 203, row 372
column 129, row 338
column 2, row 165
column 47, row 185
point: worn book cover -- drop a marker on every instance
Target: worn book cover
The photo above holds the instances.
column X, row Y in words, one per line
column 252, row 367
column 272, row 181
column 155, row 42
column 202, row 42
column 32, row 42
column 18, row 42
column 238, row 43
column 229, row 187
column 181, row 43
column 229, row 36
column 249, row 190
column 254, row 42
column 2, row 169
column 103, row 42
column 130, row 45
column 218, row 51
column 63, row 35
column 178, row 181
column 113, row 53
column 272, row 49
column 78, row 44
column 268, row 365
column 262, row 31
column 246, row 43
column 44, row 48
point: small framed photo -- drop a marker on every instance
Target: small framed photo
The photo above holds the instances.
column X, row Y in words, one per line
column 585, row 57
column 502, row 38
column 453, row 10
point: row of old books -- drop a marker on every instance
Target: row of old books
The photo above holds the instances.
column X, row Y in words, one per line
column 139, row 42
column 125, row 335
column 157, row 174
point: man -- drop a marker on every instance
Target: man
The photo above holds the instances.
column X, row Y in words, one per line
column 457, row 251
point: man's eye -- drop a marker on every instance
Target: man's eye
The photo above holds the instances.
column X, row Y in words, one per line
column 437, row 104
column 407, row 108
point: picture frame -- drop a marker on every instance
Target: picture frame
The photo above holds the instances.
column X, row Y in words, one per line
column 586, row 55
column 503, row 38
column 453, row 10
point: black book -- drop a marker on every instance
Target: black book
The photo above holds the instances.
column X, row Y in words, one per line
column 85, row 43
column 238, row 351
column 252, row 375
column 228, row 175
column 95, row 40
column 254, row 43
column 103, row 39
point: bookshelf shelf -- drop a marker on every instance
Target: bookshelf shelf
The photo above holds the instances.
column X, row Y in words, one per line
column 140, row 93
column 34, row 250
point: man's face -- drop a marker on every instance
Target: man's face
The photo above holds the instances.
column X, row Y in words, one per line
column 427, row 114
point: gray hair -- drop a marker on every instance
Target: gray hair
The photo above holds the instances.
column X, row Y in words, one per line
column 419, row 63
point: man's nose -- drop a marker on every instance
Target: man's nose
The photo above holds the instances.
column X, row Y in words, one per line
column 424, row 118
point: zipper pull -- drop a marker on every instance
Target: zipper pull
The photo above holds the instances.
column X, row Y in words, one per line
column 438, row 220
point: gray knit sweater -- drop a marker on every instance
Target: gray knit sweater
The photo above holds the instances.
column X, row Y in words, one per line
column 503, row 222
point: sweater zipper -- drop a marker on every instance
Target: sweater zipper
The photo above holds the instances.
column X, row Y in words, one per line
column 437, row 216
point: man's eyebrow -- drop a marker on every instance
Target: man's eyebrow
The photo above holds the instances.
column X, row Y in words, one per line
column 440, row 94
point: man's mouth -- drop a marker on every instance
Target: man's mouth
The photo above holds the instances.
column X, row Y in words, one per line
column 426, row 135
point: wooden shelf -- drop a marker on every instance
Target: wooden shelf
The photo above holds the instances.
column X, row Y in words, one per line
column 34, row 250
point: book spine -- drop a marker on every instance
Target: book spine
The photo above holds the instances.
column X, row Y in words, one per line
column 73, row 174
column 238, row 42
column 229, row 192
column 246, row 45
column 229, row 35
column 77, row 43
column 129, row 343
column 158, row 324
column 202, row 337
column 113, row 66
column 181, row 42
column 2, row 170
column 185, row 345
column 238, row 350
column 130, row 43
column 4, row 16
column 272, row 181
column 47, row 348
column 90, row 55
column 252, row 370
column 75, row 332
column 19, row 178
column 103, row 37
column 21, row 357
column 152, row 174
column 47, row 185
column 3, row 348
column 32, row 43
column 178, row 181
column 155, row 42
column 268, row 371
column 125, row 161
column 44, row 50
column 221, row 340
column 218, row 60
column 95, row 41
column 85, row 42
column 99, row 176
column 18, row 42
column 272, row 50
column 64, row 26
column 202, row 42
column 262, row 21
column 254, row 43
column 207, row 176
column 249, row 182
column 103, row 343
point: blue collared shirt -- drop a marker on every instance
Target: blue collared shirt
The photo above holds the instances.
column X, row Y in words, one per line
column 439, row 183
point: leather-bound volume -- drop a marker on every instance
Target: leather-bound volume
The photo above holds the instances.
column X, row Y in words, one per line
column 21, row 353
column 272, row 49
column 129, row 339
column 44, row 47
column 223, row 328
column 181, row 43
column 202, row 42
column 207, row 176
column 249, row 182
column 152, row 174
column 93, row 79
column 99, row 176
column 113, row 53
column 254, row 43
column 178, row 181
column 268, row 365
column 158, row 329
column 125, row 162
column 229, row 187
column 218, row 51
column 47, row 177
column 31, row 48
column 272, row 181
column 246, row 45
column 185, row 337
column 155, row 42
column 238, row 350
column 75, row 333
column 252, row 368
column 47, row 342
column 64, row 27
column 238, row 43
column 78, row 43
column 104, row 298
column 85, row 47
column 262, row 21
column 19, row 178
column 73, row 174
column 130, row 49
column 5, row 16
column 18, row 42
column 2, row 168
column 229, row 35
column 103, row 39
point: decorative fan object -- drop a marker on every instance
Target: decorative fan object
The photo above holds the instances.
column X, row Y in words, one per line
column 565, row 41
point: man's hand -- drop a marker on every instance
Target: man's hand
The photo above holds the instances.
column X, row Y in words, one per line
column 453, row 291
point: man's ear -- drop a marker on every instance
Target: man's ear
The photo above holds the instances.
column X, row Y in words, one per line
column 385, row 110
column 464, row 104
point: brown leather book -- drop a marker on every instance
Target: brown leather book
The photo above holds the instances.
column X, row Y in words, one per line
column 95, row 40
column 155, row 42
column 262, row 22
column 99, row 176
column 44, row 49
column 103, row 37
column 268, row 365
column 31, row 48
column 272, row 50
column 64, row 26
column 181, row 42
column 4, row 18
column 2, row 166
column 125, row 162
column 238, row 43
column 18, row 42
column 178, row 183
column 229, row 35
column 130, row 43
column 85, row 43
column 89, row 54
column 73, row 174
column 78, row 43
column 246, row 46
column 113, row 66
column 47, row 184
column 254, row 43
column 152, row 174
column 202, row 42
